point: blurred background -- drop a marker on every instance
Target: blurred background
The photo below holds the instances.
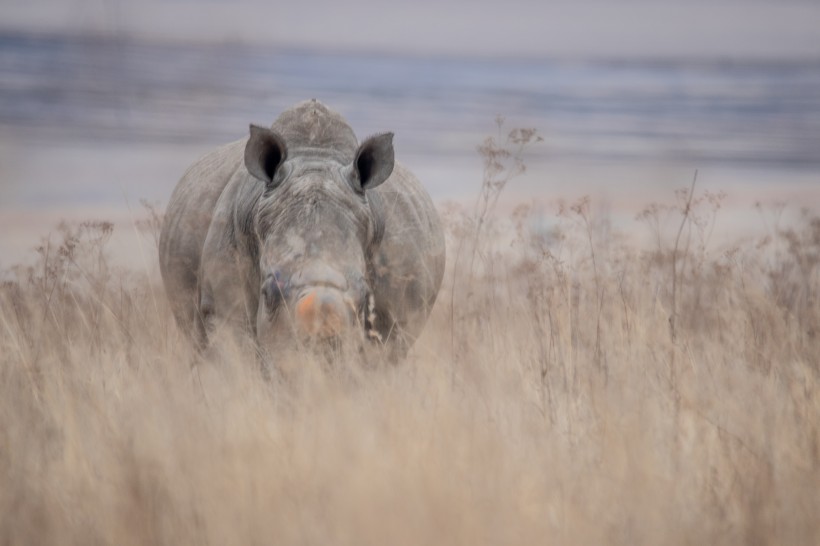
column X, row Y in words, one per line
column 104, row 103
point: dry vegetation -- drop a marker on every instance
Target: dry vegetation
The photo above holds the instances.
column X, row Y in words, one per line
column 570, row 388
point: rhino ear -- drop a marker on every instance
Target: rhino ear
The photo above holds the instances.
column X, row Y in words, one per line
column 264, row 153
column 373, row 163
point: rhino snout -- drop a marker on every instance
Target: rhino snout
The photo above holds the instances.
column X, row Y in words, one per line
column 322, row 313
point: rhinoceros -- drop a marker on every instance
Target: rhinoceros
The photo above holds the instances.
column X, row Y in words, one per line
column 298, row 232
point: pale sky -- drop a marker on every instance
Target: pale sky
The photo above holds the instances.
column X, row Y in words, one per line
column 720, row 29
column 580, row 29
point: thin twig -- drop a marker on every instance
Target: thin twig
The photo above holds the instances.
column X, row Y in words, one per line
column 687, row 209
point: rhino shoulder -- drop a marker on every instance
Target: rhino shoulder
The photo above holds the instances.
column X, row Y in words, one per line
column 229, row 270
column 408, row 263
column 192, row 203
column 187, row 221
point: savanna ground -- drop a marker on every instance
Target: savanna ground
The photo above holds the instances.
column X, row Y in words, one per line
column 571, row 387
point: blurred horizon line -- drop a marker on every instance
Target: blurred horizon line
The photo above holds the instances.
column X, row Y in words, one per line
column 276, row 47
column 116, row 89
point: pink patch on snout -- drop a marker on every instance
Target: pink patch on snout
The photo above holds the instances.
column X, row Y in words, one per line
column 321, row 314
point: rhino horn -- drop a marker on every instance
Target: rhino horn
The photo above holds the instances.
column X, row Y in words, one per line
column 322, row 314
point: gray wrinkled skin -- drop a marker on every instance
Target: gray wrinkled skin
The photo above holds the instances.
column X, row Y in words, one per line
column 299, row 232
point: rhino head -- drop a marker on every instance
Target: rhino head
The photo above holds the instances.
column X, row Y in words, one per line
column 315, row 229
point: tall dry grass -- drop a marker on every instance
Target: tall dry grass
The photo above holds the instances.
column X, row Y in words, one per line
column 570, row 388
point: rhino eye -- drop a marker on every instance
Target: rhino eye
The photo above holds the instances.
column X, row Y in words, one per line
column 272, row 291
column 206, row 305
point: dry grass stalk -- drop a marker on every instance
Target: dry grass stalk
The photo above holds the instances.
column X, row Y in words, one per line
column 560, row 418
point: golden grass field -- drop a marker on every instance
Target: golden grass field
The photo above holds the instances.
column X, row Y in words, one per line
column 571, row 387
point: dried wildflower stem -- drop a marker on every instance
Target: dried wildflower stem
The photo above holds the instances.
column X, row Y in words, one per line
column 685, row 217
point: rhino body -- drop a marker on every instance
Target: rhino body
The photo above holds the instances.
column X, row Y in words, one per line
column 299, row 233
